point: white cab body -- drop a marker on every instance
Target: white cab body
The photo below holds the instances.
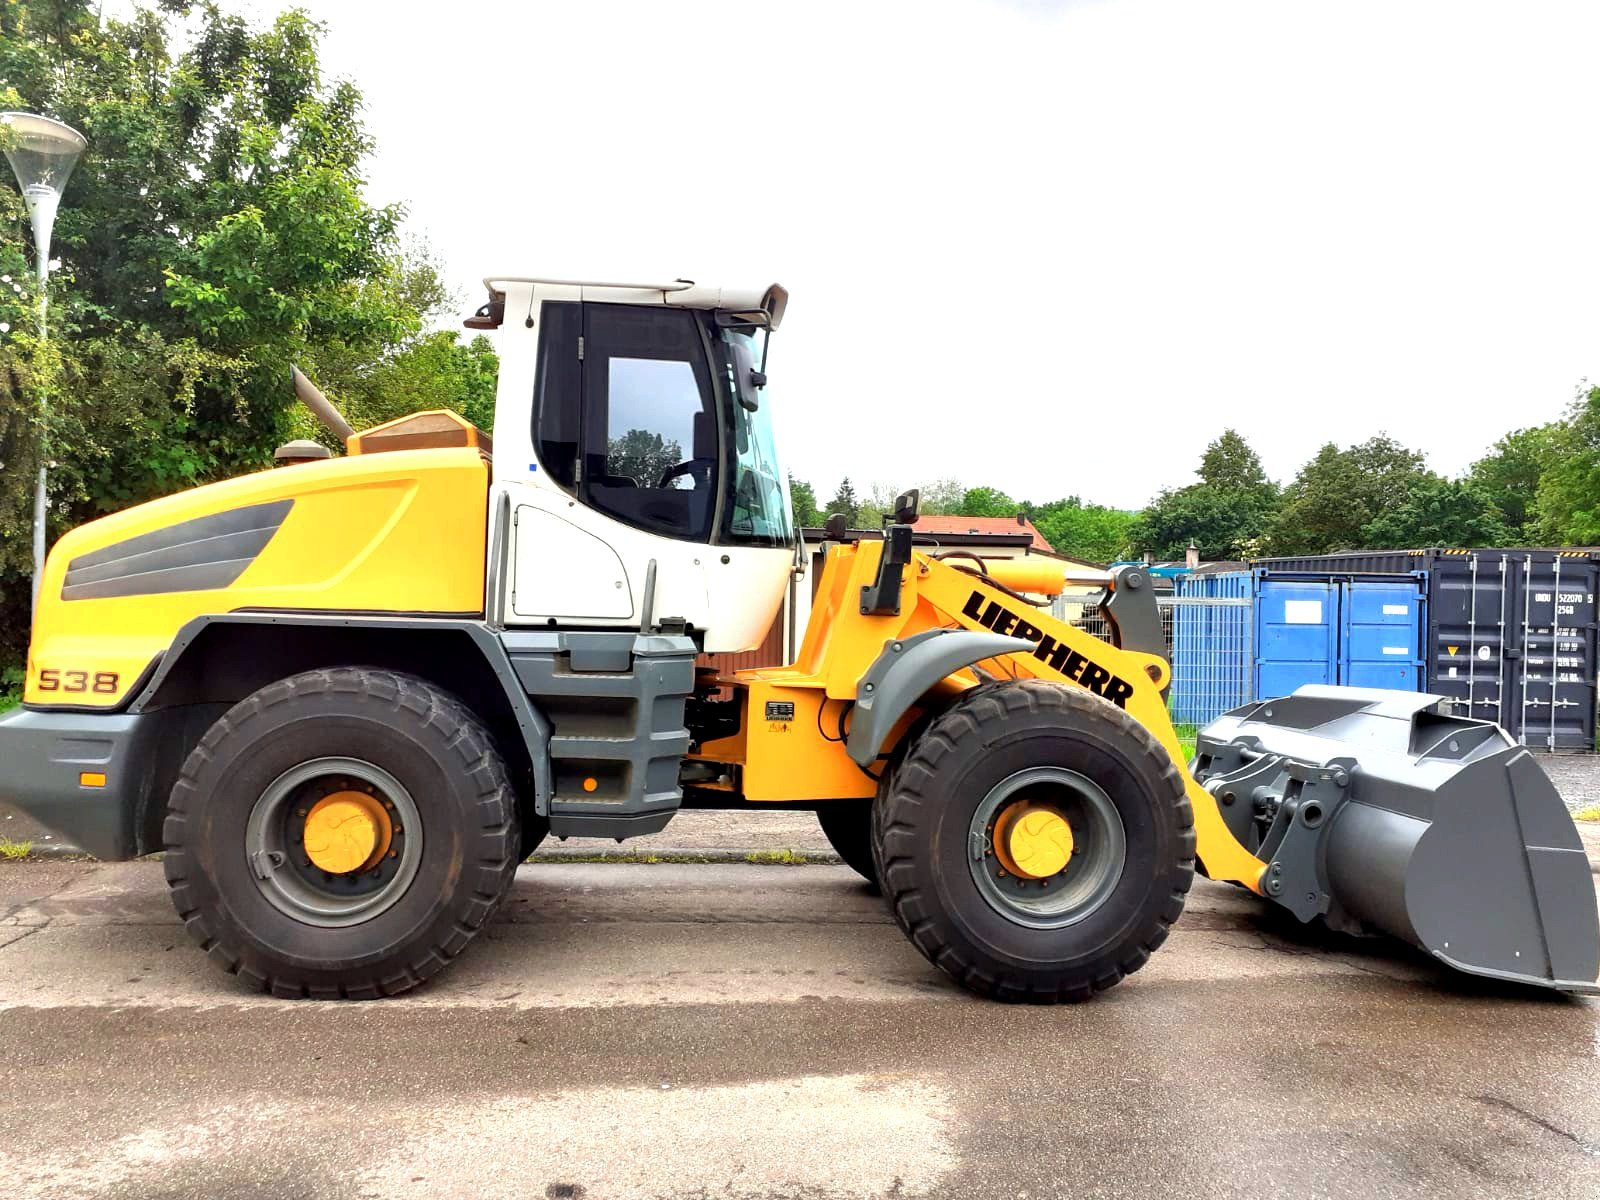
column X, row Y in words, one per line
column 570, row 565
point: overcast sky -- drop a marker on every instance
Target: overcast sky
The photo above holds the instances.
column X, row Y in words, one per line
column 1052, row 247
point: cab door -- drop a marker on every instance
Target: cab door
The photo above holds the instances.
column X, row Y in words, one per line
column 626, row 472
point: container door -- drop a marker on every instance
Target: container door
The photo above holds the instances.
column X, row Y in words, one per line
column 1296, row 635
column 1470, row 605
column 1556, row 689
column 1380, row 627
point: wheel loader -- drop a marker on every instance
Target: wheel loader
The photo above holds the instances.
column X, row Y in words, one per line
column 347, row 696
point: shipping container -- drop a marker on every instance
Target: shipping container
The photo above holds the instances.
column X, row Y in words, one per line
column 1211, row 645
column 1357, row 631
column 1510, row 635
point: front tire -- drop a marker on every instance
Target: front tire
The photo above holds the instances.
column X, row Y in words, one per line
column 255, row 862
column 1077, row 900
column 847, row 824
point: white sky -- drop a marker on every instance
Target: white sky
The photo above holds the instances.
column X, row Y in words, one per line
column 1051, row 247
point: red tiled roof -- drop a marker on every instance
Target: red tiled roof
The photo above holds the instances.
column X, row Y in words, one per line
column 958, row 524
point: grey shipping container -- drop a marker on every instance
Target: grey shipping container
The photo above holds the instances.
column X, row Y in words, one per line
column 1511, row 633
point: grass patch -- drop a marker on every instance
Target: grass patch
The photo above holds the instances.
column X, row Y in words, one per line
column 10, row 688
column 1592, row 813
column 1186, row 735
column 776, row 858
column 14, row 851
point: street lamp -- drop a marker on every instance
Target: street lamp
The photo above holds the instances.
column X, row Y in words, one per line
column 42, row 153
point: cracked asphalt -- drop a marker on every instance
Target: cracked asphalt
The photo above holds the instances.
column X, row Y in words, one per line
column 668, row 1031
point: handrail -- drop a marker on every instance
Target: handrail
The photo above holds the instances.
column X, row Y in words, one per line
column 677, row 285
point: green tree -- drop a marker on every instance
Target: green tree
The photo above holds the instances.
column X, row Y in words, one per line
column 1231, row 465
column 214, row 232
column 1510, row 474
column 1221, row 523
column 943, row 496
column 987, row 502
column 1568, row 501
column 1224, row 515
column 1439, row 512
column 1339, row 492
column 845, row 501
column 803, row 504
column 1084, row 531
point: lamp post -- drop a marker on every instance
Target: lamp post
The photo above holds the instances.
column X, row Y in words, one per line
column 42, row 153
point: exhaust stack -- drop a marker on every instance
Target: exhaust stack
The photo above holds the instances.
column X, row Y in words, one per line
column 1379, row 810
column 321, row 407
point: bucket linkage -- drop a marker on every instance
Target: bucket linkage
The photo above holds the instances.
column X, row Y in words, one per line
column 1381, row 811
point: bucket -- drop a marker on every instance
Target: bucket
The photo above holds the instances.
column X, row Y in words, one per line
column 1381, row 811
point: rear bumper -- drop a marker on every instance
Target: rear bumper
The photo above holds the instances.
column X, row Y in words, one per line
column 44, row 757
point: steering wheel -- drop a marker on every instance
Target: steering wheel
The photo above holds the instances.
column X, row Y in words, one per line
column 690, row 466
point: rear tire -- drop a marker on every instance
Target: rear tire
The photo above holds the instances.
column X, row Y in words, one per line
column 1045, row 939
column 847, row 824
column 237, row 861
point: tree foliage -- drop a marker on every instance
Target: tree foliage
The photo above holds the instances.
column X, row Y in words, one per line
column 803, row 504
column 1084, row 531
column 214, row 232
column 1508, row 477
column 1339, row 492
column 847, row 502
column 1224, row 515
column 1439, row 512
column 1569, row 488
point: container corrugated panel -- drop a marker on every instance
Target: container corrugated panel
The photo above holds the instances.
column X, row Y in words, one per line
column 1510, row 633
column 1211, row 646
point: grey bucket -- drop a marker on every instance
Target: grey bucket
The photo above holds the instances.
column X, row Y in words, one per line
column 1382, row 811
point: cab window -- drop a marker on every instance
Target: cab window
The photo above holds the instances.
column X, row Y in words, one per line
column 649, row 429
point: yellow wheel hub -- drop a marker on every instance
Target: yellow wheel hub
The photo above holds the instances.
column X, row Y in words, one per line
column 346, row 832
column 1032, row 841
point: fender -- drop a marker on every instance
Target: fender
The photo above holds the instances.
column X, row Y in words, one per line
column 903, row 673
column 531, row 723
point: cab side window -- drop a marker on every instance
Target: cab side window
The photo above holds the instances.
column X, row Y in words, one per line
column 649, row 428
column 558, row 391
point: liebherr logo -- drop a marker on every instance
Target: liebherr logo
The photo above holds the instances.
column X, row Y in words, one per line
column 1085, row 672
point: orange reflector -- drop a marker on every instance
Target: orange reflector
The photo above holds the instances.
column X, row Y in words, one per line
column 590, row 784
column 91, row 779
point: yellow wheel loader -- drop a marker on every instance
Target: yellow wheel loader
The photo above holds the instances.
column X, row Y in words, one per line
column 347, row 696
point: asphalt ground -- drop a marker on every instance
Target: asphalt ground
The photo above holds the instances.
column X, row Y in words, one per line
column 623, row 1032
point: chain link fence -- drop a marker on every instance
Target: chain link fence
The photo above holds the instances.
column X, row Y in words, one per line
column 1209, row 640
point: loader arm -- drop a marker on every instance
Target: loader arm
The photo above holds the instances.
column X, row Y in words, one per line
column 860, row 623
column 1063, row 653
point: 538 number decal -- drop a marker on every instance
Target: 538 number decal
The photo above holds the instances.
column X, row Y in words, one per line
column 103, row 682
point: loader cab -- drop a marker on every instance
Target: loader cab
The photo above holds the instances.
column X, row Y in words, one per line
column 637, row 480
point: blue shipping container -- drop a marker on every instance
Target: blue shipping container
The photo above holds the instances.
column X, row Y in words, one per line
column 1297, row 634
column 1359, row 632
column 1380, row 626
column 1211, row 656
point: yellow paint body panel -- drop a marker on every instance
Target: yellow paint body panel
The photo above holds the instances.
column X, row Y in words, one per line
column 396, row 532
column 797, row 760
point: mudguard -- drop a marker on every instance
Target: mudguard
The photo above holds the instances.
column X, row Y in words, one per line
column 904, row 672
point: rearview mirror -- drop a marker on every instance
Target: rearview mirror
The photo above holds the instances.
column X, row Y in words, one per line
column 907, row 507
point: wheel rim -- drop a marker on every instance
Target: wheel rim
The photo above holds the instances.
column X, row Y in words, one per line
column 334, row 841
column 1060, row 850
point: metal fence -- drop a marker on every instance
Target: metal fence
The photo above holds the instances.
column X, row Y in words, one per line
column 1210, row 645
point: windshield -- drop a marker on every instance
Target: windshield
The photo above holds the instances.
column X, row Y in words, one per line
column 758, row 508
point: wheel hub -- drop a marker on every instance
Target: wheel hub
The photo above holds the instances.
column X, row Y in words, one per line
column 1046, row 847
column 1032, row 841
column 347, row 831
